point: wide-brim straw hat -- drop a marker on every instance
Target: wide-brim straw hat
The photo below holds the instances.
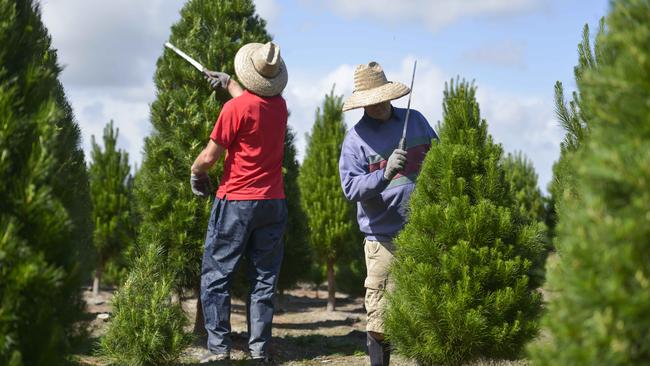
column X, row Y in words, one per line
column 372, row 87
column 261, row 68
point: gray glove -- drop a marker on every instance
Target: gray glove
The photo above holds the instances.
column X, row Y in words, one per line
column 201, row 185
column 217, row 79
column 396, row 163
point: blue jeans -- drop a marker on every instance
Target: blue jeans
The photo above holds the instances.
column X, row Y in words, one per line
column 253, row 229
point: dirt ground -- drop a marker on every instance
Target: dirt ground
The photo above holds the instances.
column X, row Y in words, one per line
column 304, row 332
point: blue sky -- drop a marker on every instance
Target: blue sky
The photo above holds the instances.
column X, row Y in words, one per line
column 515, row 50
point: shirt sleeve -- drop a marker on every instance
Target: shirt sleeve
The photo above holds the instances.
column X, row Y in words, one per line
column 357, row 183
column 227, row 126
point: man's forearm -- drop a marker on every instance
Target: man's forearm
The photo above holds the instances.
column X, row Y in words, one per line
column 207, row 158
column 202, row 163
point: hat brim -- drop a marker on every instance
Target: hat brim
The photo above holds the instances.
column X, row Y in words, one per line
column 252, row 80
column 389, row 91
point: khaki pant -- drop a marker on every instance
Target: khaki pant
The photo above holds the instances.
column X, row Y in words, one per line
column 379, row 256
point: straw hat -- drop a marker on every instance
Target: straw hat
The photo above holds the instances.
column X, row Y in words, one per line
column 261, row 68
column 371, row 87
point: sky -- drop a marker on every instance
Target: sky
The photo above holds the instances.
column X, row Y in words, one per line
column 513, row 50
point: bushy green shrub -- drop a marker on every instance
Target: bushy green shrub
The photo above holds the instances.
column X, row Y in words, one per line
column 146, row 327
column 463, row 284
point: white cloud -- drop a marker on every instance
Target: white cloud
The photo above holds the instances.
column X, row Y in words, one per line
column 435, row 14
column 94, row 107
column 523, row 123
column 109, row 43
column 509, row 54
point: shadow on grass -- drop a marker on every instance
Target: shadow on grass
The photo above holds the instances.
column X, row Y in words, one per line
column 307, row 347
column 298, row 348
column 316, row 325
column 83, row 343
column 85, row 350
column 293, row 303
column 222, row 363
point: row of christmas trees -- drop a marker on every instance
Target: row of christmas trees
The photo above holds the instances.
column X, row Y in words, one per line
column 470, row 261
column 62, row 221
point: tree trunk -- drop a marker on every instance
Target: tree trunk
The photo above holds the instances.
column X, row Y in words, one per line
column 98, row 277
column 199, row 321
column 331, row 289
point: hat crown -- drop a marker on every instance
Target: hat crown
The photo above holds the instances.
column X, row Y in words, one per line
column 266, row 60
column 369, row 76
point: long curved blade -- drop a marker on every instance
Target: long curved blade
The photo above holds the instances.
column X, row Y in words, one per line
column 186, row 57
column 402, row 141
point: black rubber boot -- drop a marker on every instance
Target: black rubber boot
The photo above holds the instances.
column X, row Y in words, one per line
column 378, row 351
column 386, row 348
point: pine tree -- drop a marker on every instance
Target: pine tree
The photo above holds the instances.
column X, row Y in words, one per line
column 529, row 203
column 598, row 315
column 463, row 285
column 116, row 268
column 522, row 184
column 146, row 328
column 297, row 253
column 575, row 121
column 45, row 218
column 110, row 176
column 182, row 118
column 328, row 213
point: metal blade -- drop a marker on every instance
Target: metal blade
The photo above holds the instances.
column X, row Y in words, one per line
column 402, row 141
column 186, row 57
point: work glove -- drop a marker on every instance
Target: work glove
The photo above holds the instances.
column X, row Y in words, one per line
column 217, row 79
column 396, row 163
column 201, row 185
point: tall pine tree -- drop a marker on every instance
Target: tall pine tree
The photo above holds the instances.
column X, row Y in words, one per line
column 297, row 253
column 599, row 313
column 182, row 117
column 463, row 285
column 329, row 214
column 575, row 120
column 110, row 184
column 45, row 217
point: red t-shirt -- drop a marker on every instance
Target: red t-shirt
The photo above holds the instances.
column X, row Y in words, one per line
column 252, row 129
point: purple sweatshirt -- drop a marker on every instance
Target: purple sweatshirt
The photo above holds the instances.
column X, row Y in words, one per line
column 382, row 204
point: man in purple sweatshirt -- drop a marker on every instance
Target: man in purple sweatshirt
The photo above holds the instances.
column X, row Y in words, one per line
column 380, row 177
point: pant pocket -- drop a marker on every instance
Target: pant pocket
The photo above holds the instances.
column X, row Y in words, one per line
column 375, row 302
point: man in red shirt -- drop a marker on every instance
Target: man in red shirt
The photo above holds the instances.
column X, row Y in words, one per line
column 249, row 214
